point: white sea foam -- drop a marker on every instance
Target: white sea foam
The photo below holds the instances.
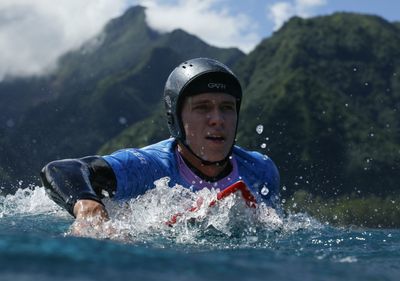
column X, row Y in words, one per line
column 149, row 215
column 31, row 200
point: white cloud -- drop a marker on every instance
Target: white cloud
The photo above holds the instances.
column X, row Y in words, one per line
column 210, row 20
column 34, row 33
column 282, row 11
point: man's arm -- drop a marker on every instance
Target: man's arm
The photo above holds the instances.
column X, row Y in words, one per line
column 78, row 184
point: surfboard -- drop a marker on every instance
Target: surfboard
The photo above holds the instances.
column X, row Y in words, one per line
column 238, row 186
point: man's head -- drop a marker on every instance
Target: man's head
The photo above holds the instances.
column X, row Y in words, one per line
column 189, row 81
column 209, row 122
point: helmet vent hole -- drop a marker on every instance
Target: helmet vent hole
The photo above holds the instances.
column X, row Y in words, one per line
column 190, row 65
column 183, row 66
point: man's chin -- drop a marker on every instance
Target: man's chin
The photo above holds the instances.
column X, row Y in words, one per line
column 214, row 157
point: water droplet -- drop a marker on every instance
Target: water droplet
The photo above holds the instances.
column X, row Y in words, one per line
column 259, row 129
column 10, row 123
column 105, row 193
column 263, row 145
column 122, row 120
column 264, row 190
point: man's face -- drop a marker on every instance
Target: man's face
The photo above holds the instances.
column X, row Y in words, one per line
column 209, row 122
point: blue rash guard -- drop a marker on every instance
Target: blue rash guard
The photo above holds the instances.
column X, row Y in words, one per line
column 137, row 169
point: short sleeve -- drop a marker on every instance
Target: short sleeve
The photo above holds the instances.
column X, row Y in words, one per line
column 132, row 170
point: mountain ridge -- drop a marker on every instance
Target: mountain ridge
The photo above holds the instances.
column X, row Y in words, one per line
column 96, row 92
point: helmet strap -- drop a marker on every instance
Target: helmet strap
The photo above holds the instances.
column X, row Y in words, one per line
column 206, row 162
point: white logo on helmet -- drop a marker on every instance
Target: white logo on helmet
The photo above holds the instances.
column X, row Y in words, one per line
column 218, row 86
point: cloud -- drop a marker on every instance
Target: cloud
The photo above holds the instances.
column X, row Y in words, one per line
column 210, row 20
column 34, row 33
column 282, row 11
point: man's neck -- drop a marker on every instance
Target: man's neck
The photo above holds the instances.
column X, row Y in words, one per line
column 211, row 171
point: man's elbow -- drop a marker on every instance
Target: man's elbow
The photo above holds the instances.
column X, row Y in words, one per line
column 49, row 171
column 46, row 172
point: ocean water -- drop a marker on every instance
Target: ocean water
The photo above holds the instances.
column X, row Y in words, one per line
column 225, row 242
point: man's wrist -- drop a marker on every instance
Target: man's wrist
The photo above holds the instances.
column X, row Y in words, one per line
column 87, row 208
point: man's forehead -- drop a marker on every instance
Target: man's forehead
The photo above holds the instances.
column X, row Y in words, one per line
column 212, row 97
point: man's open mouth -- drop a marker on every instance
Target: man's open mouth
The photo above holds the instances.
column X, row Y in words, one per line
column 215, row 138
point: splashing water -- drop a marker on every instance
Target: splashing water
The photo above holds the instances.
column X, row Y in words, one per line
column 259, row 129
column 147, row 216
column 144, row 219
column 28, row 201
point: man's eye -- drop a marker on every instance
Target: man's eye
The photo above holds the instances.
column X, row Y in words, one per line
column 202, row 107
column 228, row 107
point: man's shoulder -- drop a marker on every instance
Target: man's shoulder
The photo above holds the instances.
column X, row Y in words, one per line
column 257, row 167
column 158, row 150
column 255, row 162
column 163, row 146
column 253, row 156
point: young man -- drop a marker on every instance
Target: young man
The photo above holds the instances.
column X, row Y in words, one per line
column 202, row 99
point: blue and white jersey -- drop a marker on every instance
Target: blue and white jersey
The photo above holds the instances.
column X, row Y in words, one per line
column 137, row 169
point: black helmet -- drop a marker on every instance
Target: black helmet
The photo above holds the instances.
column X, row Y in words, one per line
column 196, row 76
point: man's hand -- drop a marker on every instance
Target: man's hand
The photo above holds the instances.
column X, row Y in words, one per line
column 90, row 217
column 85, row 209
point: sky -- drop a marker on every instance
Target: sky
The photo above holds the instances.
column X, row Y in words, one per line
column 35, row 33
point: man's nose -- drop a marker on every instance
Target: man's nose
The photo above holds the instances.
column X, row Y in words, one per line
column 216, row 117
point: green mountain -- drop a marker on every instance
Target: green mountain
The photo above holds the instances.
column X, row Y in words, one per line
column 111, row 82
column 327, row 92
column 331, row 94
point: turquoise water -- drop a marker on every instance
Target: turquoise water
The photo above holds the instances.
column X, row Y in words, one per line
column 224, row 243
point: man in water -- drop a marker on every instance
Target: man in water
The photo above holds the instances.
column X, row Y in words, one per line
column 202, row 99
